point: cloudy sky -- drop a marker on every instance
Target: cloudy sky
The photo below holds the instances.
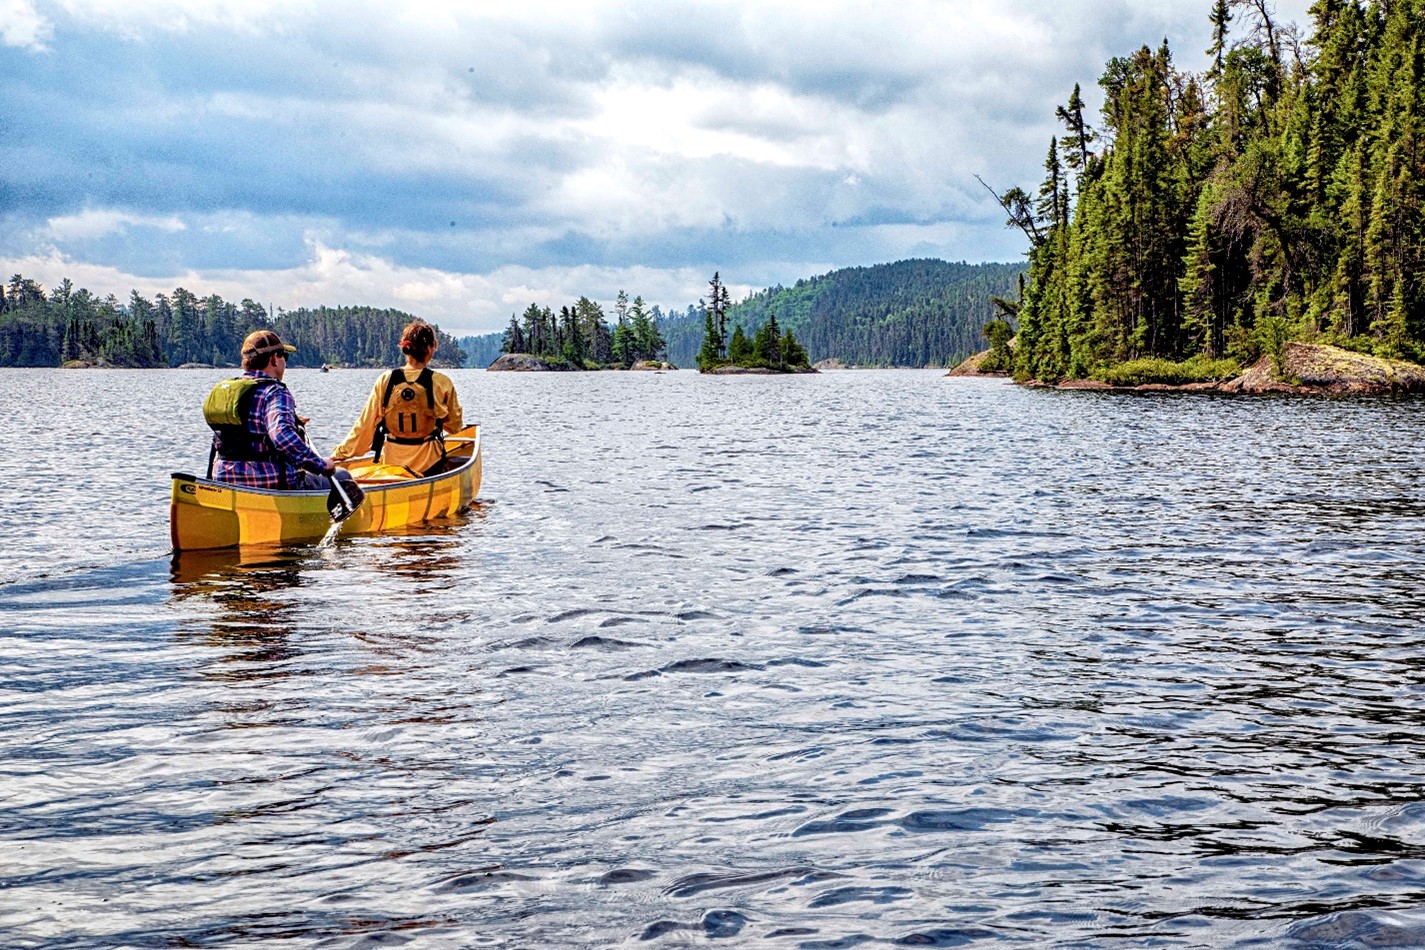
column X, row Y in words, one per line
column 459, row 160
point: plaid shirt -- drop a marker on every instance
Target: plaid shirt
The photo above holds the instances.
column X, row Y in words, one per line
column 272, row 423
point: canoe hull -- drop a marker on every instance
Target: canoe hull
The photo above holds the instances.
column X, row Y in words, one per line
column 205, row 514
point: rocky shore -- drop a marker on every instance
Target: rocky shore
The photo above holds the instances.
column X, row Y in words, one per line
column 1307, row 368
column 525, row 363
column 971, row 367
column 755, row 371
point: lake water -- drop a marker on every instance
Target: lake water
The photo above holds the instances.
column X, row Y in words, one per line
column 861, row 659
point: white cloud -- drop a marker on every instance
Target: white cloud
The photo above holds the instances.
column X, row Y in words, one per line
column 134, row 18
column 90, row 224
column 22, row 25
column 459, row 303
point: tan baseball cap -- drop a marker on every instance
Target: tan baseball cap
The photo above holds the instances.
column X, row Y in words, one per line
column 259, row 342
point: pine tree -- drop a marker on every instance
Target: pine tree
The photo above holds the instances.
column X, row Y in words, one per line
column 793, row 355
column 719, row 302
column 513, row 341
column 1080, row 136
column 649, row 341
column 571, row 339
column 70, row 349
column 625, row 347
column 1221, row 17
column 595, row 339
column 739, row 351
column 767, row 344
column 709, row 355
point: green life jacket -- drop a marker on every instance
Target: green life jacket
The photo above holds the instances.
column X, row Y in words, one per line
column 226, row 411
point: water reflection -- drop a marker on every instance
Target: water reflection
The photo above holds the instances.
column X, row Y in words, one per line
column 248, row 583
column 262, row 601
column 249, row 587
column 427, row 555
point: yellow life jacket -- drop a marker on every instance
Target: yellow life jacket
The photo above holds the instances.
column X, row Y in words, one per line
column 408, row 411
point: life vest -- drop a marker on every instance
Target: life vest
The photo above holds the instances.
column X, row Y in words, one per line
column 408, row 414
column 226, row 411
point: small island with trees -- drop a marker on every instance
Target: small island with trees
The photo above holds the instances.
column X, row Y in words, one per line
column 579, row 338
column 770, row 350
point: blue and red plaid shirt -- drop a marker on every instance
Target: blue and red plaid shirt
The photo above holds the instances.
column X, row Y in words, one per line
column 272, row 423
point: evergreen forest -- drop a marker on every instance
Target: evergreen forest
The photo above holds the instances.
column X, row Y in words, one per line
column 580, row 337
column 1206, row 219
column 69, row 325
column 909, row 313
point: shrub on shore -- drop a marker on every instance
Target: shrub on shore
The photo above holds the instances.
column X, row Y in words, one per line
column 1141, row 372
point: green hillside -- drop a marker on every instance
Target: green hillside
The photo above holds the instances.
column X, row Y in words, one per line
column 481, row 351
column 910, row 313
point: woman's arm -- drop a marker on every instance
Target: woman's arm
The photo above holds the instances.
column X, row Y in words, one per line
column 454, row 416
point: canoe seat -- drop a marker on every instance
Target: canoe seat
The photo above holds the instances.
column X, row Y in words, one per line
column 374, row 473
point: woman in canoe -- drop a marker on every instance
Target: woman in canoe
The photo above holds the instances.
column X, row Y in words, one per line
column 409, row 410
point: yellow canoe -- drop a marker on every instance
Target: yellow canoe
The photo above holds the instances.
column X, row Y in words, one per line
column 205, row 514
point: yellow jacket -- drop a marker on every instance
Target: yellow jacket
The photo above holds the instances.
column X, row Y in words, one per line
column 418, row 458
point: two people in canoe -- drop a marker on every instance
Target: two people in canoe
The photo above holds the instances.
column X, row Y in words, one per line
column 259, row 440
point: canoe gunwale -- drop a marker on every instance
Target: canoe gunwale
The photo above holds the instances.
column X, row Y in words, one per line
column 376, row 487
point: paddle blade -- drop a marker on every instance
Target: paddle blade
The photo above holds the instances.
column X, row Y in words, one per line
column 344, row 498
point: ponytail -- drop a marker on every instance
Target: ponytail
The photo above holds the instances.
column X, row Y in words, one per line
column 418, row 341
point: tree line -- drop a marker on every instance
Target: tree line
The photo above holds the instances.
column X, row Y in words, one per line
column 908, row 313
column 1211, row 217
column 581, row 337
column 71, row 325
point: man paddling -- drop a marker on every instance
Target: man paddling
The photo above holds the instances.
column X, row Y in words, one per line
column 256, row 439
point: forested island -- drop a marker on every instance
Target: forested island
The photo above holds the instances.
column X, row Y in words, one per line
column 580, row 338
column 73, row 327
column 768, row 350
column 1272, row 204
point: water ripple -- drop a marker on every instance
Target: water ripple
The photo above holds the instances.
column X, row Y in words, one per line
column 861, row 659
